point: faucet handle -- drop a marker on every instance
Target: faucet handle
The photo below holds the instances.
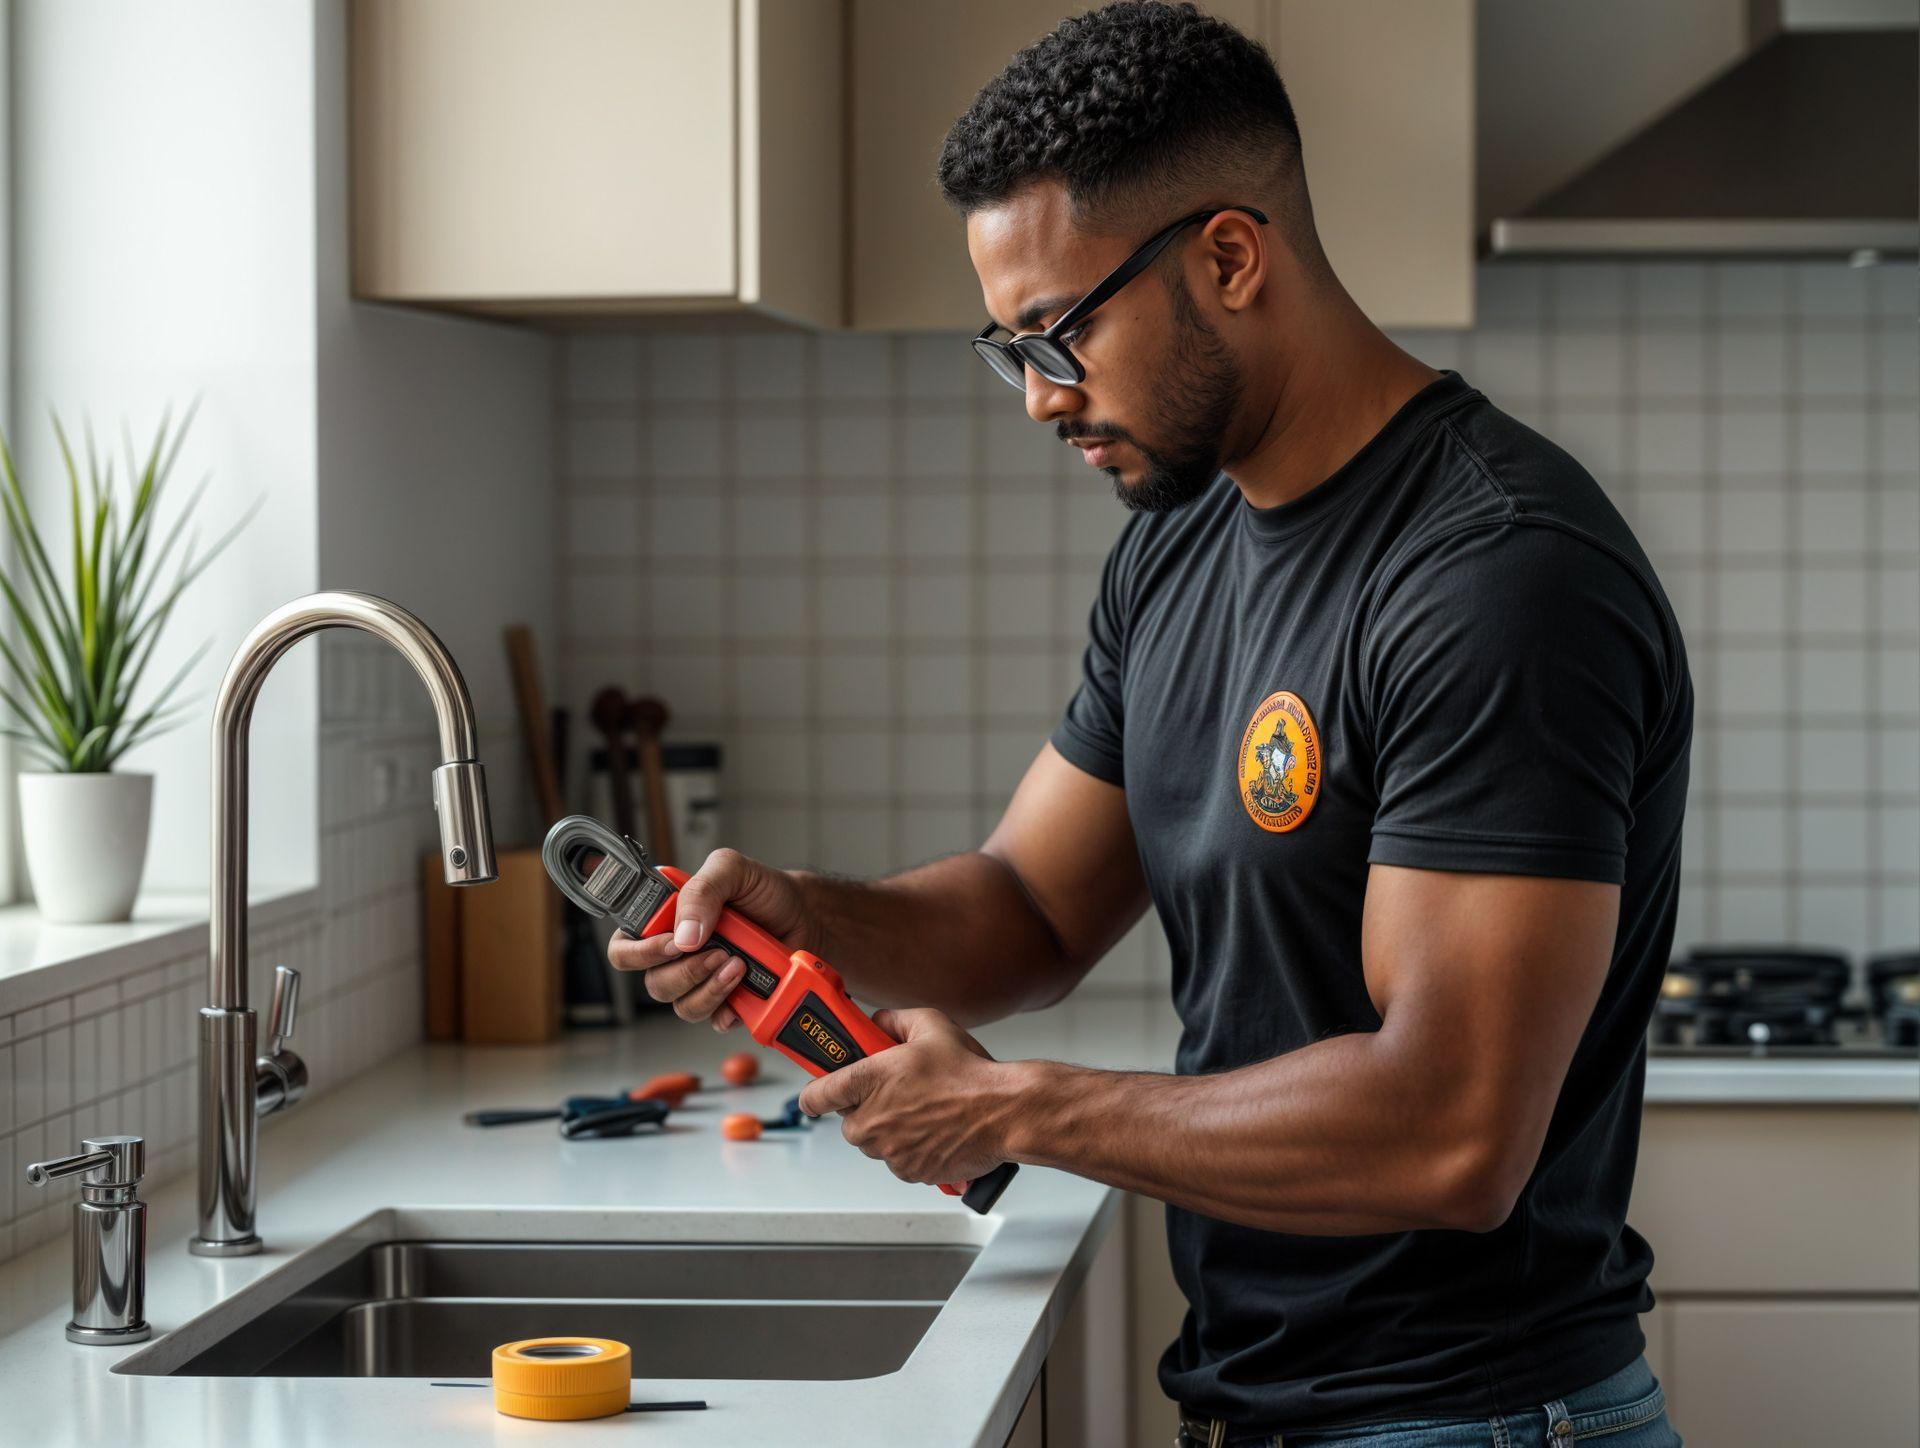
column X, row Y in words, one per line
column 109, row 1161
column 286, row 1003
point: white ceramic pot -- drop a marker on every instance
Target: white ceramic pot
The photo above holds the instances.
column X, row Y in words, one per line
column 86, row 839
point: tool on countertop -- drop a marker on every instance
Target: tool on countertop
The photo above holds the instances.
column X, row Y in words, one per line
column 582, row 1117
column 791, row 1117
column 673, row 1088
column 790, row 1000
column 618, row 1118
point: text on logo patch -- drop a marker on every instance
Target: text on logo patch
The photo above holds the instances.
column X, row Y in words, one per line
column 1279, row 763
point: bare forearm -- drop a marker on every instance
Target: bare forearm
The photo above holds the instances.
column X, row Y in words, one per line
column 1339, row 1138
column 959, row 934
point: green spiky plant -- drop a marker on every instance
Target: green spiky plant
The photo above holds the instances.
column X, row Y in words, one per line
column 84, row 642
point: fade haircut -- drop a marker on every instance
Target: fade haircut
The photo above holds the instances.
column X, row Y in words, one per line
column 1143, row 111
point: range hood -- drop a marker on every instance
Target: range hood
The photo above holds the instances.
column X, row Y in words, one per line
column 1809, row 146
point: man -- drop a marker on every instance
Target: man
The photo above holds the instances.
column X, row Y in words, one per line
column 1385, row 713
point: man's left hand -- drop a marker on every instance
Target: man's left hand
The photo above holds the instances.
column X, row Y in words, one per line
column 935, row 1108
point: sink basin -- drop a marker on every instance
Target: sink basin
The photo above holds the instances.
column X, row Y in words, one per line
column 394, row 1306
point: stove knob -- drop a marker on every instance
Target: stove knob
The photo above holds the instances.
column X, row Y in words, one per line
column 1759, row 1032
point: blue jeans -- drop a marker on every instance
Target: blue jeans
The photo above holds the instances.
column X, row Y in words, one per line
column 1627, row 1410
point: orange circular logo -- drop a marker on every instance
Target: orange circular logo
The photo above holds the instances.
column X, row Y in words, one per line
column 1280, row 763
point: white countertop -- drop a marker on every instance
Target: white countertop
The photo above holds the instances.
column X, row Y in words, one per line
column 393, row 1139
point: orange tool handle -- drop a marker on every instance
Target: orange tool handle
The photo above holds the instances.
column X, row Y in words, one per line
column 794, row 1002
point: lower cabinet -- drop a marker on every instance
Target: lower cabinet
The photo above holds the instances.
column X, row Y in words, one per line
column 1786, row 1247
column 1792, row 1371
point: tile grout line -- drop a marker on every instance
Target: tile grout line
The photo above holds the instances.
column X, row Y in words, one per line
column 1790, row 590
column 1711, row 786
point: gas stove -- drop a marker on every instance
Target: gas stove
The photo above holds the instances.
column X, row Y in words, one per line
column 1786, row 1002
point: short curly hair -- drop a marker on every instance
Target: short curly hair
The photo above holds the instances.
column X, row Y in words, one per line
column 1136, row 102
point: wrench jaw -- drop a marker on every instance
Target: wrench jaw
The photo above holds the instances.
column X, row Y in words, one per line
column 624, row 886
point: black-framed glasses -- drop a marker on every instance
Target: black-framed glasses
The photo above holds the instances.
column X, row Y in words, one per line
column 1046, row 352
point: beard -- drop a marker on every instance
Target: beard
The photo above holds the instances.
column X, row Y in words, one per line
column 1193, row 408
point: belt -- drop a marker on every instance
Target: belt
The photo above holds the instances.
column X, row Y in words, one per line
column 1200, row 1431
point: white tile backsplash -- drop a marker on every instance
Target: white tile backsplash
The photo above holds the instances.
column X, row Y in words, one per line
column 1833, row 442
column 683, row 445
column 684, row 368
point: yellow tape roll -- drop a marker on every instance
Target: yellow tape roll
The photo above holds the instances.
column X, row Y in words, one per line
column 558, row 1378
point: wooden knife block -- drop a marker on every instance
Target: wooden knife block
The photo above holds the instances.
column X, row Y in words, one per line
column 493, row 954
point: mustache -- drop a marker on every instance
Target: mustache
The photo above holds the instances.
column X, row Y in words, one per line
column 1091, row 432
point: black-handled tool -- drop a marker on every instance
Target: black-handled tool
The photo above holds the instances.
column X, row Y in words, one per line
column 581, row 1117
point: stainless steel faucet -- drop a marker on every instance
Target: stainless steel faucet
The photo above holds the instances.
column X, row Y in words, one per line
column 237, row 1086
column 109, row 1239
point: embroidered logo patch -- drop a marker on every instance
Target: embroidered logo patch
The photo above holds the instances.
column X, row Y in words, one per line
column 1280, row 763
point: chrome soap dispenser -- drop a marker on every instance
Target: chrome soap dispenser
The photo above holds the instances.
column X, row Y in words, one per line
column 109, row 1239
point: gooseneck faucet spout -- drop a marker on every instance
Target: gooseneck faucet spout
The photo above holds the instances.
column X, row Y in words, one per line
column 237, row 1086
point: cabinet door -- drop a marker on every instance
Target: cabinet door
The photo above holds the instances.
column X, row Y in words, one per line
column 915, row 68
column 1383, row 90
column 567, row 151
column 1088, row 1386
column 1158, row 1310
column 1784, row 1374
column 1777, row 1200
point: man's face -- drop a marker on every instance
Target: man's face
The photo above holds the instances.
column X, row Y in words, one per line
column 1161, row 389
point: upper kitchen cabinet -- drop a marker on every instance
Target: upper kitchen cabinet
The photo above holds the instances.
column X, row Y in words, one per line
column 1384, row 94
column 601, row 157
column 1383, row 90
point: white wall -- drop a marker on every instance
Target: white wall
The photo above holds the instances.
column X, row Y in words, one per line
column 6, row 389
column 182, row 201
column 164, row 249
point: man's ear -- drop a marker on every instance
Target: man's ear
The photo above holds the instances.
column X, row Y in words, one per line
column 1233, row 248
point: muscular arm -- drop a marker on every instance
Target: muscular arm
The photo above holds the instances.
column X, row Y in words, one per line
column 1009, row 927
column 1484, row 984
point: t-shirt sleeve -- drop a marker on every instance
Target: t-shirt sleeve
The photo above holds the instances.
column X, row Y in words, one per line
column 1516, row 676
column 1089, row 734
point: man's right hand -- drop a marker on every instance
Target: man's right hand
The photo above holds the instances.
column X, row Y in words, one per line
column 696, row 980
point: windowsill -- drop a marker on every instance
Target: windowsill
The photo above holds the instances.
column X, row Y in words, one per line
column 41, row 962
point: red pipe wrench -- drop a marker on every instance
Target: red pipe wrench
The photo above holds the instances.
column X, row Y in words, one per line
column 790, row 1000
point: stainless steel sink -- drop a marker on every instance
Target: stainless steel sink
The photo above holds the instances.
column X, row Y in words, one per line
column 423, row 1308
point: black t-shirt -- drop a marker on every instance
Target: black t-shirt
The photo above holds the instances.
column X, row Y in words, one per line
column 1453, row 655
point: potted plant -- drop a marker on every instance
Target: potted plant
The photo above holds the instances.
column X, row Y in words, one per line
column 70, row 675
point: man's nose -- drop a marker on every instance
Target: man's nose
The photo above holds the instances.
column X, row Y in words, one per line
column 1049, row 401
